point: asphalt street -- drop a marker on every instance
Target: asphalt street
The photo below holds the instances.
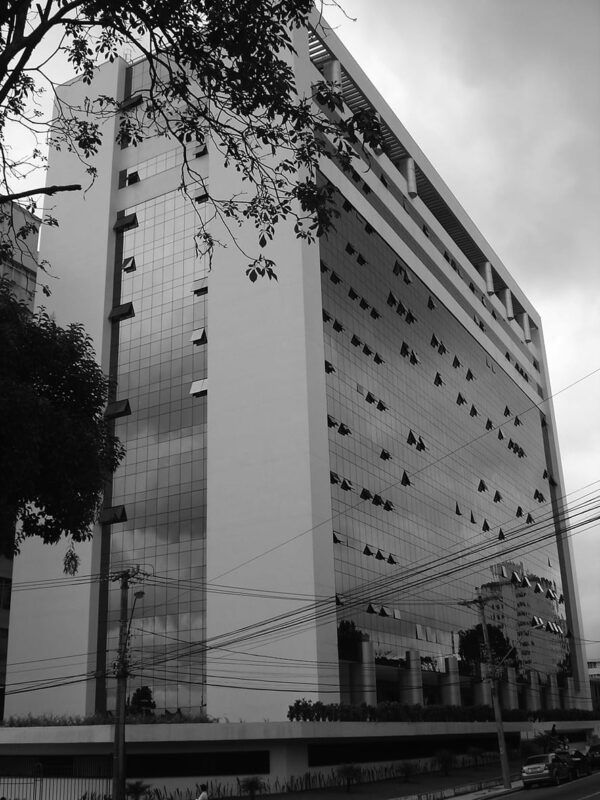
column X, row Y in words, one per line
column 586, row 788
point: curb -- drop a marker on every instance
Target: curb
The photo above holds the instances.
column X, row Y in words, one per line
column 489, row 790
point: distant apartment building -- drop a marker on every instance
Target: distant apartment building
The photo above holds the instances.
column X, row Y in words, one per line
column 319, row 471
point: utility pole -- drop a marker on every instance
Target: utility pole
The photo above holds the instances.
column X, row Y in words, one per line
column 490, row 676
column 121, row 669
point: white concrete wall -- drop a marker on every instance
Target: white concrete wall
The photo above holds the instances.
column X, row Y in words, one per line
column 53, row 622
column 269, row 502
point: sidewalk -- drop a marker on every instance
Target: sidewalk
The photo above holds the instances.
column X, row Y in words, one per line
column 469, row 784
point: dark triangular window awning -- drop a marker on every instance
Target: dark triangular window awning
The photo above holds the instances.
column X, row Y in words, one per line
column 501, row 536
column 200, row 287
column 117, row 408
column 367, row 551
column 458, row 511
column 124, row 311
column 379, row 556
column 126, row 222
column 485, row 527
column 128, row 264
column 113, row 515
column 131, row 102
column 198, row 336
column 405, row 479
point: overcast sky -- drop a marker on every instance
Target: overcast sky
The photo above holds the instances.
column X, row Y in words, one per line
column 503, row 96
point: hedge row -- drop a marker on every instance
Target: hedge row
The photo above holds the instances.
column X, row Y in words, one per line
column 308, row 711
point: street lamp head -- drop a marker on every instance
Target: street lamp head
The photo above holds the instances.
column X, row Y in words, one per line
column 139, row 594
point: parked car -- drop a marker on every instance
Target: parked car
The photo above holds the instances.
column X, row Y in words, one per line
column 546, row 768
column 579, row 763
column 593, row 755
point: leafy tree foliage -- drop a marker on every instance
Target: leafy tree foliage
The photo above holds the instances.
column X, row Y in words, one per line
column 57, row 450
column 219, row 70
column 142, row 702
column 471, row 647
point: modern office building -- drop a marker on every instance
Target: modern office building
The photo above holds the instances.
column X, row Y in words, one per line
column 364, row 446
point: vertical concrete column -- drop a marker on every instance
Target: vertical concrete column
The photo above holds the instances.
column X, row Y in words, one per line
column 286, row 759
column 533, row 701
column 367, row 685
column 509, row 696
column 450, row 682
column 506, row 297
column 407, row 168
column 332, row 72
column 411, row 680
column 523, row 320
column 482, row 691
column 486, row 270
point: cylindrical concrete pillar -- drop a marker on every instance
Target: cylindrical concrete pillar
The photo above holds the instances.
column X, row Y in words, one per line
column 568, row 696
column 411, row 681
column 332, row 72
column 533, row 700
column 486, row 270
column 450, row 682
column 407, row 168
column 368, row 679
column 506, row 297
column 552, row 697
column 523, row 320
column 482, row 690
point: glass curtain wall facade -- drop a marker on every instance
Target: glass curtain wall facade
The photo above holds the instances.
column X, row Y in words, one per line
column 155, row 515
column 439, row 477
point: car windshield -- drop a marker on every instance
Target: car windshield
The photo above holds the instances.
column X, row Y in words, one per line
column 537, row 759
